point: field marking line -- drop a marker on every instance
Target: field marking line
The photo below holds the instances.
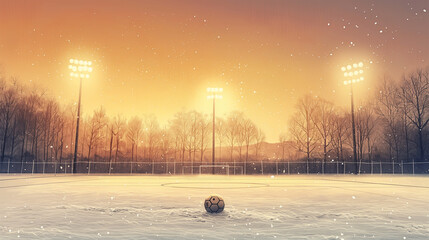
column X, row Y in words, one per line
column 254, row 185
column 35, row 177
column 48, row 183
column 376, row 183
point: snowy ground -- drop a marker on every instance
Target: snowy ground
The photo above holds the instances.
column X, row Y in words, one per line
column 171, row 207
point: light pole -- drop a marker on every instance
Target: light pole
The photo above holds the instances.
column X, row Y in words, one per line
column 214, row 93
column 78, row 69
column 353, row 74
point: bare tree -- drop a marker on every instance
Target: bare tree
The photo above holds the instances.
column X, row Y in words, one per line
column 232, row 131
column 96, row 124
column 220, row 133
column 119, row 126
column 134, row 133
column 339, row 134
column 249, row 133
column 8, row 104
column 259, row 139
column 282, row 143
column 302, row 127
column 165, row 145
column 415, row 89
column 204, row 126
column 365, row 124
column 152, row 136
column 194, row 136
column 180, row 126
column 323, row 121
column 389, row 110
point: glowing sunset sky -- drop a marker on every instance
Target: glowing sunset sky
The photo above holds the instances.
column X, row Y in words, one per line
column 158, row 57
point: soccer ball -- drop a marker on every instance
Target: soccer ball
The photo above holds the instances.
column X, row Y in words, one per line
column 214, row 204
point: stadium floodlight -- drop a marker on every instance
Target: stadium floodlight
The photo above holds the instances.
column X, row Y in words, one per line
column 78, row 69
column 353, row 74
column 214, row 93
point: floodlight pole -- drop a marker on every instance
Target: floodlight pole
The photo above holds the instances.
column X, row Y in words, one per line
column 74, row 165
column 214, row 130
column 353, row 129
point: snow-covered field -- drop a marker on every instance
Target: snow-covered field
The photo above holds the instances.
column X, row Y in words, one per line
column 171, row 207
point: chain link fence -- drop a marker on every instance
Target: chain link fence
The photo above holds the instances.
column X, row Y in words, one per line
column 233, row 168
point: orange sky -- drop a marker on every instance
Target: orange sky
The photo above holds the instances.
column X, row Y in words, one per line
column 158, row 57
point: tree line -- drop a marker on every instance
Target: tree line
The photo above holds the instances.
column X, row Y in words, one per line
column 35, row 127
column 390, row 126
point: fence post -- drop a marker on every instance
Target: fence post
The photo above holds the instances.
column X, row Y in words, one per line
column 8, row 167
column 372, row 167
column 174, row 166
column 402, row 167
column 89, row 167
column 393, row 167
column 131, row 170
column 307, row 167
column 32, row 168
column 323, row 167
column 277, row 168
column 344, row 167
column 413, row 166
column 262, row 168
column 288, row 168
column 381, row 168
column 243, row 169
column 338, row 167
column 55, row 168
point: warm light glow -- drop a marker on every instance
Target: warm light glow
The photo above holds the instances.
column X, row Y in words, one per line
column 215, row 93
column 155, row 64
column 213, row 90
column 81, row 67
column 355, row 74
